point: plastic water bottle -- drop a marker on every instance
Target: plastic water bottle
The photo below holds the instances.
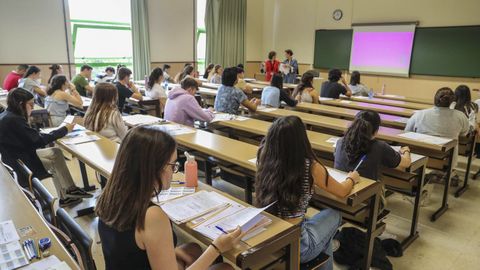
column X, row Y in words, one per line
column 370, row 94
column 191, row 171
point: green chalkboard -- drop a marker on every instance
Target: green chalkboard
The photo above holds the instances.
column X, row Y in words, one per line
column 437, row 51
column 332, row 48
column 447, row 51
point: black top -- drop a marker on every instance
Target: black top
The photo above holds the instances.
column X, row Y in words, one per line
column 19, row 141
column 332, row 90
column 123, row 93
column 120, row 250
column 380, row 154
column 285, row 97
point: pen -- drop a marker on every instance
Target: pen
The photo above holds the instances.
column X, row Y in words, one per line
column 32, row 249
column 360, row 163
column 220, row 229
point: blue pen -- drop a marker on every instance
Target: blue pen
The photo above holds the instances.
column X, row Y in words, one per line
column 220, row 229
column 360, row 163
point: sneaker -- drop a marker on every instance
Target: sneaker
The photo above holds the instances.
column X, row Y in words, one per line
column 335, row 245
column 69, row 201
column 76, row 192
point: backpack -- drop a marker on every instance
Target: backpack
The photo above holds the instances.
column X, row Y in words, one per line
column 352, row 247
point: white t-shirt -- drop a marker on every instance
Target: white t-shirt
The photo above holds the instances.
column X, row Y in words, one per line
column 156, row 92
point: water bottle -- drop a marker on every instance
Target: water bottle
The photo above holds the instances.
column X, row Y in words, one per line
column 191, row 171
column 383, row 89
column 370, row 94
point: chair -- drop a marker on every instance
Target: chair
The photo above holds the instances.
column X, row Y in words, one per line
column 25, row 175
column 46, row 201
column 78, row 237
column 315, row 263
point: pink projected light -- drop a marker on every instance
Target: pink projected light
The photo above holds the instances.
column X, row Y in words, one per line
column 382, row 49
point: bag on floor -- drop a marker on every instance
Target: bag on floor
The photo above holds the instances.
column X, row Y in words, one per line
column 352, row 249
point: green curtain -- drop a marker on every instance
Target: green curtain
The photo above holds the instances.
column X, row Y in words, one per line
column 140, row 39
column 225, row 24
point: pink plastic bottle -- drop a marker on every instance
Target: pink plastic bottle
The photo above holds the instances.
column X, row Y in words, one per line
column 191, row 171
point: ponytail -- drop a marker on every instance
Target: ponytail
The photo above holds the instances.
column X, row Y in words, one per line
column 358, row 138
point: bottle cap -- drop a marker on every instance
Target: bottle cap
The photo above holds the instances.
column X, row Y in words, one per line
column 189, row 157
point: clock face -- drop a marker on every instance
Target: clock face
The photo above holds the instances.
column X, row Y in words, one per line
column 337, row 14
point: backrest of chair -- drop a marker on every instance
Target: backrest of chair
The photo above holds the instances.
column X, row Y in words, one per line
column 46, row 200
column 81, row 239
column 24, row 175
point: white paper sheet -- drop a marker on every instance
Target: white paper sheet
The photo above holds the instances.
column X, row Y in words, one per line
column 192, row 206
column 12, row 256
column 265, row 109
column 333, row 140
column 44, row 264
column 253, row 160
column 8, row 233
column 414, row 157
column 80, row 138
column 345, row 101
column 425, row 138
column 337, row 175
column 175, row 130
column 172, row 193
column 324, row 98
column 140, row 119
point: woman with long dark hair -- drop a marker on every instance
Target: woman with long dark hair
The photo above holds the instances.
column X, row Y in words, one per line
column 216, row 75
column 287, row 170
column 208, row 70
column 31, row 82
column 58, row 99
column 103, row 115
column 463, row 103
column 135, row 233
column 358, row 89
column 20, row 141
column 154, row 88
column 274, row 94
column 55, row 69
column 304, row 92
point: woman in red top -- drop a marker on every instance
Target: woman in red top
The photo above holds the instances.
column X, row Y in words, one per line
column 271, row 65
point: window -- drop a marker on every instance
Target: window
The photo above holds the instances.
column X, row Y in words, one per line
column 201, row 35
column 101, row 33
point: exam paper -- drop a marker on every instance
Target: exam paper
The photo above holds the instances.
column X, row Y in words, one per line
column 12, row 256
column 172, row 193
column 425, row 138
column 337, row 175
column 140, row 119
column 8, row 233
column 175, row 130
column 80, row 138
column 414, row 157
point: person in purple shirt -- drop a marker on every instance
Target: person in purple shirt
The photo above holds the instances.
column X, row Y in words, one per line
column 183, row 108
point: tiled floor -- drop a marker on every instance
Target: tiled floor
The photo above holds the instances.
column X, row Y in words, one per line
column 452, row 242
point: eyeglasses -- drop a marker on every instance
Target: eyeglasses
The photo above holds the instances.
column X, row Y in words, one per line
column 175, row 166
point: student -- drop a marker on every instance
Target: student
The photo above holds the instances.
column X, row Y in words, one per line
column 136, row 233
column 292, row 65
column 287, row 170
column 304, row 92
column 81, row 81
column 271, row 65
column 126, row 88
column 183, row 108
column 216, row 75
column 106, row 77
column 359, row 141
column 166, row 73
column 274, row 94
column 229, row 98
column 19, row 141
column 58, row 99
column 103, row 115
column 241, row 84
column 241, row 66
column 441, row 120
column 188, row 72
column 356, row 87
column 333, row 89
column 463, row 103
column 154, row 88
column 208, row 70
column 12, row 78
column 56, row 69
column 31, row 82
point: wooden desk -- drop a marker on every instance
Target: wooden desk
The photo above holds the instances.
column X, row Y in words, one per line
column 365, row 105
column 414, row 179
column 16, row 206
column 404, row 98
column 264, row 83
column 387, row 119
column 435, row 152
column 101, row 154
column 389, row 102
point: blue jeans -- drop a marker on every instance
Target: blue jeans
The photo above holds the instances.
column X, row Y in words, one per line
column 316, row 236
column 290, row 78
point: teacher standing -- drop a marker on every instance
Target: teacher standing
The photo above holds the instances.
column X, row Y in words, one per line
column 271, row 65
column 292, row 67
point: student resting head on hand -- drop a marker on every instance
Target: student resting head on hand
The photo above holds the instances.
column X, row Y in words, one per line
column 304, row 92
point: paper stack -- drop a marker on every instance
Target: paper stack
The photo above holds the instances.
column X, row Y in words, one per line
column 140, row 119
column 425, row 138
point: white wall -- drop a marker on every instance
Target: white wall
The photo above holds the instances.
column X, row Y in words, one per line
column 171, row 27
column 292, row 24
column 32, row 32
column 254, row 30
